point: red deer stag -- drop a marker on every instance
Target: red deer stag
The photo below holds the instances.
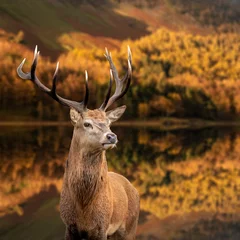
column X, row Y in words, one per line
column 95, row 204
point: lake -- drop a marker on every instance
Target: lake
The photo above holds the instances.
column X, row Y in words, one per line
column 189, row 181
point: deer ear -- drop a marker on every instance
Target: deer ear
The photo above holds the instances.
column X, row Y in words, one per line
column 116, row 113
column 74, row 115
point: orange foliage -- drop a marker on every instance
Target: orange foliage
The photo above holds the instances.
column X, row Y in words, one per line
column 174, row 74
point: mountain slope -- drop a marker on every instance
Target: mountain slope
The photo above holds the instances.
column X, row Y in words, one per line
column 49, row 23
column 45, row 21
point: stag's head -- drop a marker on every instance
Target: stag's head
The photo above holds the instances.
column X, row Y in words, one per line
column 92, row 126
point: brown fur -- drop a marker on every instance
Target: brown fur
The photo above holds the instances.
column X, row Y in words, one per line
column 96, row 114
column 93, row 199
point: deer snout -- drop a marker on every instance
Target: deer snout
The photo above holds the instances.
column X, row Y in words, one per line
column 112, row 138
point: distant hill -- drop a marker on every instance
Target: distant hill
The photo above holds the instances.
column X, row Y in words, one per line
column 215, row 13
column 56, row 25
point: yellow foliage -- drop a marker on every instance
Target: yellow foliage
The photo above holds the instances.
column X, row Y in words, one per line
column 143, row 109
column 177, row 72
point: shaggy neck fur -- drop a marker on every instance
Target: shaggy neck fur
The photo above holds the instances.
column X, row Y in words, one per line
column 86, row 171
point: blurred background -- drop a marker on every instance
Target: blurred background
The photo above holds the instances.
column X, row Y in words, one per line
column 179, row 140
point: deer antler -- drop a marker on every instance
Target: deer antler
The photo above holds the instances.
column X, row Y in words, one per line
column 119, row 91
column 79, row 106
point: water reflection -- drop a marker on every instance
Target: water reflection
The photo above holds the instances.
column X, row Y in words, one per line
column 189, row 181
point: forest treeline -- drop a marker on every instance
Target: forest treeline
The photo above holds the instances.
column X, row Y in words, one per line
column 174, row 74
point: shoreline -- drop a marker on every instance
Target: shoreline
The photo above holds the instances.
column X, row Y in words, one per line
column 162, row 123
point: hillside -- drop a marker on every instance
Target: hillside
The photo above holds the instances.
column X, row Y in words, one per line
column 182, row 67
column 57, row 25
column 215, row 13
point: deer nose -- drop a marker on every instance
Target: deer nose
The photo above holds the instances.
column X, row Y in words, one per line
column 111, row 137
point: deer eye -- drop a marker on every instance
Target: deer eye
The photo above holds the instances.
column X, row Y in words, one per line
column 86, row 124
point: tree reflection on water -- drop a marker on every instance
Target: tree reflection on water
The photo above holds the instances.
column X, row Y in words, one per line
column 189, row 181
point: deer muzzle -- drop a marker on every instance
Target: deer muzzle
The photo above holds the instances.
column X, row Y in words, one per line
column 110, row 141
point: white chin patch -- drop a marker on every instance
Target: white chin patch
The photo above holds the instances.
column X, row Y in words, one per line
column 108, row 145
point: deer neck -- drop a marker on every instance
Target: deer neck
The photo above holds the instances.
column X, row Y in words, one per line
column 86, row 171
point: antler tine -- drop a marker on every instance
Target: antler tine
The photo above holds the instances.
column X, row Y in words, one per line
column 54, row 83
column 119, row 92
column 86, row 91
column 21, row 74
column 129, row 55
column 108, row 92
column 79, row 106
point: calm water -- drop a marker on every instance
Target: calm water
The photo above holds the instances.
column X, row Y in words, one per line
column 189, row 181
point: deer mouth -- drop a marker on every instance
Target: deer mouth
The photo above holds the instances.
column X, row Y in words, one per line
column 108, row 145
